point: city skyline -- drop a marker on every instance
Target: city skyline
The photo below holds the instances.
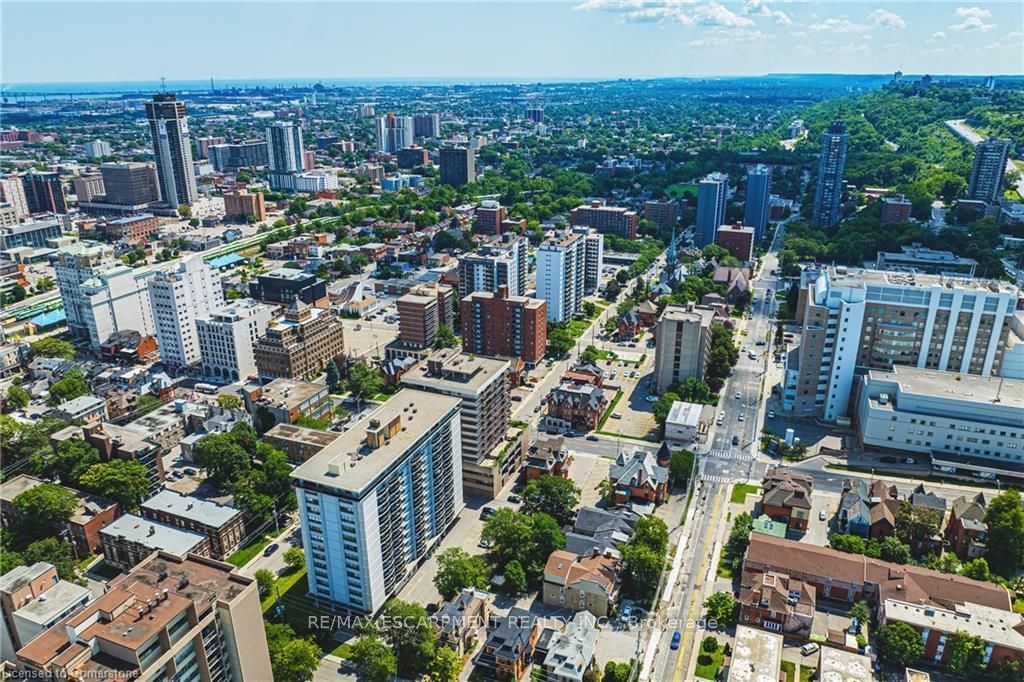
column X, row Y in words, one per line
column 568, row 40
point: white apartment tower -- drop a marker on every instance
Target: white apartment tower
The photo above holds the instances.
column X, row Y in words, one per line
column 394, row 133
column 100, row 295
column 593, row 258
column 227, row 337
column 561, row 275
column 177, row 298
column 172, row 147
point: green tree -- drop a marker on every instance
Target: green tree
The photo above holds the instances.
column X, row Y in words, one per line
column 60, row 553
column 445, row 337
column 52, row 347
column 223, row 459
column 642, row 571
column 374, row 661
column 527, row 538
column 617, row 672
column 709, row 644
column 861, row 613
column 664, row 406
column 292, row 658
column 899, row 644
column 606, row 490
column 852, row 544
column 68, row 387
column 445, row 666
column 294, row 558
column 916, row 524
column 229, row 401
column 977, row 569
column 590, row 355
column 739, row 536
column 333, row 376
column 43, row 510
column 70, row 459
column 680, row 467
column 652, row 532
column 721, row 608
column 363, row 381
column 560, row 341
column 265, row 580
column 966, row 654
column 17, row 398
column 122, row 481
column 891, row 549
column 1005, row 520
column 693, row 390
column 185, row 211
column 457, row 569
column 552, row 495
column 515, row 577
column 406, row 628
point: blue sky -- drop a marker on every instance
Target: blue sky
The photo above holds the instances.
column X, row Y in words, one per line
column 68, row 42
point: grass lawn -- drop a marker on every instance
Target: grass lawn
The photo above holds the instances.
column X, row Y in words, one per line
column 298, row 609
column 789, row 668
column 681, row 189
column 807, row 673
column 343, row 650
column 608, row 412
column 740, row 492
column 244, row 555
column 708, row 664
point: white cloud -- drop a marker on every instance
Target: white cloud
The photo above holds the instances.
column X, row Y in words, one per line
column 854, row 49
column 883, row 17
column 729, row 37
column 714, row 14
column 839, row 25
column 973, row 12
column 760, row 8
column 642, row 11
column 799, row 34
column 937, row 36
column 972, row 24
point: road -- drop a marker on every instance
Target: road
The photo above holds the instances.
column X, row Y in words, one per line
column 720, row 463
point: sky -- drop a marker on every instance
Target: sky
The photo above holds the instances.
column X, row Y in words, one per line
column 586, row 39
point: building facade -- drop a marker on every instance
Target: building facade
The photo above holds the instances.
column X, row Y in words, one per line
column 375, row 501
column 828, row 195
column 129, row 183
column 712, row 192
column 287, row 285
column 458, row 166
column 683, row 345
column 284, row 147
column 489, row 216
column 426, row 125
column 494, row 265
column 986, row 181
column 227, row 339
column 32, row 234
column 738, row 240
column 177, row 298
column 229, row 157
column 561, row 275
column 664, row 214
column 44, row 192
column 394, row 133
column 172, row 147
column 242, row 204
column 299, row 344
column 504, row 325
column 756, row 204
column 605, row 219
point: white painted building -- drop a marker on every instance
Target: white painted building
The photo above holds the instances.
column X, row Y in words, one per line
column 593, row 258
column 683, row 422
column 561, row 275
column 227, row 336
column 100, row 295
column 177, row 298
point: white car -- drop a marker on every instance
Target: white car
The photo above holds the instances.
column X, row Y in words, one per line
column 738, row 395
column 741, row 416
column 651, row 398
column 771, row 414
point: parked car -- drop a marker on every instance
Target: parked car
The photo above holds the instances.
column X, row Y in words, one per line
column 270, row 549
column 190, row 472
column 616, row 415
column 738, row 395
column 735, row 440
column 910, row 460
column 675, row 640
column 487, row 512
column 771, row 414
column 515, row 499
column 741, row 416
column 808, row 649
column 651, row 398
column 821, row 515
column 592, row 437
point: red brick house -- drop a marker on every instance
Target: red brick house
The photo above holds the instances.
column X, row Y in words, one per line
column 966, row 531
column 576, row 406
column 638, row 477
column 548, row 457
column 786, row 497
column 777, row 602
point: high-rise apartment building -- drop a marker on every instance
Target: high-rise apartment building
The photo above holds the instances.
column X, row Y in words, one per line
column 44, row 192
column 426, row 125
column 169, row 618
column 683, row 344
column 494, row 265
column 203, row 145
column 458, row 166
column 876, row 320
column 12, row 191
column 418, row 320
column 241, row 204
column 489, row 216
column 411, row 157
column 593, row 258
column 227, row 339
column 986, row 179
column 229, row 157
column 178, row 297
column 482, row 384
column 298, row 345
column 88, row 187
column 284, row 147
column 97, row 149
column 828, row 195
column 394, row 133
column 130, row 183
column 561, row 275
column 172, row 147
column 664, row 214
column 605, row 219
column 504, row 325
column 535, row 114
column 756, row 204
column 377, row 499
column 100, row 295
column 711, row 195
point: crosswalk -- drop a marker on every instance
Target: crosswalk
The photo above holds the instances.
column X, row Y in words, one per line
column 715, row 478
column 725, row 453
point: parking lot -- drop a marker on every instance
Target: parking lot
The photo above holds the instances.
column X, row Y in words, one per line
column 636, row 414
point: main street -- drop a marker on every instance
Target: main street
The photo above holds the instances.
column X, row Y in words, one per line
column 720, row 464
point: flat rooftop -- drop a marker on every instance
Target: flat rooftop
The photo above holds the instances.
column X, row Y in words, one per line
column 684, row 414
column 837, row 665
column 450, row 369
column 287, row 273
column 756, row 656
column 58, row 598
column 965, row 387
column 350, row 464
column 291, row 392
column 525, row 300
column 861, row 277
column 153, row 534
column 684, row 314
column 300, row 434
column 188, row 507
column 19, row 576
column 997, row 626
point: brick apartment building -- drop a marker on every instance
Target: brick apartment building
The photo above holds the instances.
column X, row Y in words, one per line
column 508, row 326
column 738, row 240
column 605, row 219
column 241, row 204
column 299, row 345
column 223, row 525
column 137, row 229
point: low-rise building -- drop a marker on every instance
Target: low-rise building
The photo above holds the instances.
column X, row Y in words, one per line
column 283, row 401
column 601, row 531
column 223, row 525
column 136, row 229
column 32, row 600
column 639, row 476
column 284, row 286
column 966, row 531
column 778, row 602
column 85, row 409
column 510, row 644
column 575, row 406
column 756, row 655
column 581, row 583
column 192, row 618
column 130, row 539
column 459, row 622
column 548, row 456
column 786, row 497
column 297, row 442
column 918, row 258
column 867, row 509
column 683, row 424
column 571, row 651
